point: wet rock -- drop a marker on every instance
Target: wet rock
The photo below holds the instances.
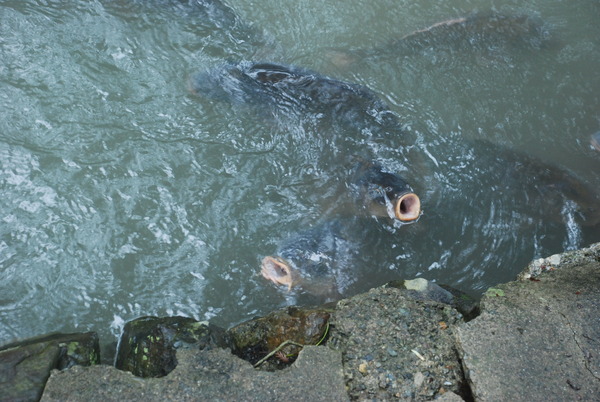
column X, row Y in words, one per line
column 396, row 346
column 537, row 338
column 556, row 261
column 252, row 340
column 464, row 303
column 449, row 397
column 148, row 344
column 26, row 365
column 213, row 374
column 423, row 289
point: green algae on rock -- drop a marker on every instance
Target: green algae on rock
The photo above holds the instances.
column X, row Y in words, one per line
column 26, row 365
column 147, row 346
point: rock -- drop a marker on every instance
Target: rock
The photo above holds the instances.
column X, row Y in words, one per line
column 538, row 338
column 449, row 397
column 569, row 258
column 424, row 362
column 213, row 374
column 252, row 340
column 423, row 289
column 147, row 346
column 25, row 366
column 465, row 304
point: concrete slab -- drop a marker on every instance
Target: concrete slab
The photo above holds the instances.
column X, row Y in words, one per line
column 537, row 338
column 207, row 375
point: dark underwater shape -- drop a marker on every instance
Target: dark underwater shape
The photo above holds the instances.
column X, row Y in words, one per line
column 213, row 12
column 511, row 186
column 293, row 91
column 218, row 29
column 354, row 112
column 479, row 31
column 546, row 185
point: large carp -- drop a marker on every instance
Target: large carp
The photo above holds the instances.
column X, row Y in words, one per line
column 382, row 193
column 479, row 31
column 353, row 109
column 294, row 91
column 527, row 185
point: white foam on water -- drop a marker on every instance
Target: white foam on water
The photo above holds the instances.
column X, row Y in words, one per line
column 574, row 237
column 117, row 324
column 44, row 123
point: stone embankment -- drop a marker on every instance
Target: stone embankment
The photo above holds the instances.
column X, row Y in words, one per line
column 532, row 339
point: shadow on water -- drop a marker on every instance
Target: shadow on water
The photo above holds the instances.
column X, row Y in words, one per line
column 126, row 195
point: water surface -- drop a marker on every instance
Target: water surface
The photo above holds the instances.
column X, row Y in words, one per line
column 125, row 195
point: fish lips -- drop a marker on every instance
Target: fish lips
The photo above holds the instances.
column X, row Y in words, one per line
column 279, row 271
column 407, row 207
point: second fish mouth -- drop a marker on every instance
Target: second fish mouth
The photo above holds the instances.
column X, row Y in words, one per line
column 278, row 270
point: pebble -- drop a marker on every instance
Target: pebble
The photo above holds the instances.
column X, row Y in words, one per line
column 362, row 368
column 418, row 380
column 554, row 259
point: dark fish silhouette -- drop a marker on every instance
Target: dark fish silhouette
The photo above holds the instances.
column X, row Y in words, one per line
column 357, row 110
column 481, row 31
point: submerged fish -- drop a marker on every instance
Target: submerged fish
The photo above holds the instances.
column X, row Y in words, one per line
column 216, row 26
column 480, row 31
column 359, row 112
column 294, row 91
column 535, row 187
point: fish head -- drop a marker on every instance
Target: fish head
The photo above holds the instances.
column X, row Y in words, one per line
column 388, row 194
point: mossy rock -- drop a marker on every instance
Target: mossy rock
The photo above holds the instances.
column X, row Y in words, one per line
column 254, row 339
column 148, row 345
column 26, row 365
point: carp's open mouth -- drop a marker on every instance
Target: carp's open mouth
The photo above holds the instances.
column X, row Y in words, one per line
column 407, row 208
column 278, row 270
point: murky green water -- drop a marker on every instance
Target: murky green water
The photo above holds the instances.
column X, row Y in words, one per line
column 125, row 195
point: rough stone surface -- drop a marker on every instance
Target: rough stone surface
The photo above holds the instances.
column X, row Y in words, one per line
column 396, row 346
column 148, row 344
column 423, row 289
column 556, row 261
column 26, row 365
column 208, row 375
column 538, row 338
